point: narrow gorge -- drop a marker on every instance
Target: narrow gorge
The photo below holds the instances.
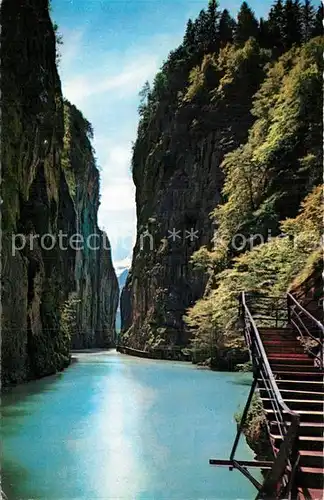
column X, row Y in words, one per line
column 141, row 381
column 58, row 291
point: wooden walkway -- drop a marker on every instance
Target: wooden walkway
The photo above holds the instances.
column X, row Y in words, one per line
column 166, row 353
column 288, row 373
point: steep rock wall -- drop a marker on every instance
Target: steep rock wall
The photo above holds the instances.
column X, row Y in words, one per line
column 37, row 277
column 96, row 283
column 34, row 282
column 176, row 170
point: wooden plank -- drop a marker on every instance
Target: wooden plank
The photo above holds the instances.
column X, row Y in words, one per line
column 247, row 474
column 260, row 464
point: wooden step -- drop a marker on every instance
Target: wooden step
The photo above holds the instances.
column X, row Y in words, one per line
column 290, row 359
column 311, row 458
column 279, row 349
column 306, row 428
column 310, row 494
column 292, row 364
column 279, row 329
column 280, row 332
column 311, row 477
column 297, row 358
column 300, row 394
column 288, row 342
column 305, row 415
column 286, row 336
column 273, row 350
column 296, row 404
column 305, row 442
column 285, row 341
column 307, row 385
column 314, row 375
column 293, row 368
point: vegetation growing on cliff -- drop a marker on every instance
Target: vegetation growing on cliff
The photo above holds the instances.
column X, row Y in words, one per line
column 269, row 268
column 267, row 178
column 96, row 283
column 265, row 182
column 231, row 125
column 255, row 429
column 288, row 24
column 41, row 191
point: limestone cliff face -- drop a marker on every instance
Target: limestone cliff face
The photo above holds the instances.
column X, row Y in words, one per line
column 96, row 283
column 176, row 170
column 37, row 276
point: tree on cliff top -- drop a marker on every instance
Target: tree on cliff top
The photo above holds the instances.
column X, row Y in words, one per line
column 213, row 15
column 308, row 20
column 226, row 28
column 276, row 26
column 247, row 25
column 318, row 23
column 189, row 39
column 293, row 23
column 206, row 29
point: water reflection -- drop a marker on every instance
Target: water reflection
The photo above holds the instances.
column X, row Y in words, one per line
column 115, row 427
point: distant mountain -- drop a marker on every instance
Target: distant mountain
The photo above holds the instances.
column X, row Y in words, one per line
column 122, row 265
column 121, row 281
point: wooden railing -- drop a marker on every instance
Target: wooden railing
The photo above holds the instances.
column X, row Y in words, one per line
column 309, row 329
column 267, row 311
column 279, row 482
column 260, row 311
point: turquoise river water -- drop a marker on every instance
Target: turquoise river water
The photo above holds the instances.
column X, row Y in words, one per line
column 117, row 427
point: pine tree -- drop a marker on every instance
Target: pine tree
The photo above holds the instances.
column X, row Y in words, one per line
column 247, row 25
column 189, row 37
column 213, row 15
column 318, row 22
column 226, row 28
column 264, row 34
column 144, row 96
column 276, row 26
column 308, row 20
column 201, row 28
column 293, row 23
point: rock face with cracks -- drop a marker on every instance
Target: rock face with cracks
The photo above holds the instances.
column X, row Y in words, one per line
column 40, row 202
column 176, row 170
column 220, row 138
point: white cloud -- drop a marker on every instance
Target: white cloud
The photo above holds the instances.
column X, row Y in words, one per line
column 70, row 50
column 124, row 83
column 115, row 161
column 118, row 196
column 123, row 264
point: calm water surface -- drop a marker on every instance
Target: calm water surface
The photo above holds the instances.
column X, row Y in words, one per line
column 117, row 427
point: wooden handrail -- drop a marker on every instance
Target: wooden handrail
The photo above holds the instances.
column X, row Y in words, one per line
column 297, row 316
column 287, row 458
column 307, row 313
column 280, row 481
column 266, row 362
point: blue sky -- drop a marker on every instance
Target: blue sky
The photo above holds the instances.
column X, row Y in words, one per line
column 111, row 47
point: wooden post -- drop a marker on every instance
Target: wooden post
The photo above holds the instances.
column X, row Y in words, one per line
column 245, row 412
column 288, row 307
